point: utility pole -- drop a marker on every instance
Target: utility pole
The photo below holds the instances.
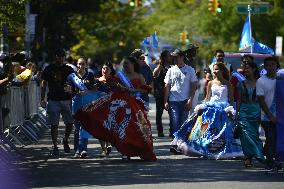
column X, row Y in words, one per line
column 27, row 36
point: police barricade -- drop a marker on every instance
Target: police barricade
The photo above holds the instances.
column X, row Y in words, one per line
column 24, row 124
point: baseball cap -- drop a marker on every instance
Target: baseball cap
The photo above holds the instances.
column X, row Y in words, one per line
column 177, row 52
column 192, row 47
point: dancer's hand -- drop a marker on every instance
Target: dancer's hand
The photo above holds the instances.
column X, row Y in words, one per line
column 188, row 104
column 273, row 119
column 43, row 104
column 166, row 106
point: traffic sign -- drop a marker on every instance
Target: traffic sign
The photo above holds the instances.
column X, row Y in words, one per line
column 255, row 8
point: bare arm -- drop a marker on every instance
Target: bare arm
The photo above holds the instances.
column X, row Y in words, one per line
column 193, row 87
column 3, row 81
column 239, row 100
column 157, row 71
column 208, row 93
column 42, row 93
column 166, row 96
column 265, row 108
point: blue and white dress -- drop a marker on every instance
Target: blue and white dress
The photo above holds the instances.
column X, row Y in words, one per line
column 209, row 130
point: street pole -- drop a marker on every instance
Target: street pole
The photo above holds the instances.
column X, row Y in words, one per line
column 27, row 37
column 250, row 34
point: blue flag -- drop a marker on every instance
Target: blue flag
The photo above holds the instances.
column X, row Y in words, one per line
column 155, row 40
column 246, row 39
column 261, row 48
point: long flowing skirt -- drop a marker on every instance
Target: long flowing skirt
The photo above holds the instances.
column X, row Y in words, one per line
column 118, row 118
column 249, row 121
column 209, row 133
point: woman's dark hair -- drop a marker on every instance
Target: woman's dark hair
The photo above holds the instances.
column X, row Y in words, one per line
column 133, row 61
column 247, row 56
column 109, row 65
column 224, row 70
column 252, row 65
column 164, row 55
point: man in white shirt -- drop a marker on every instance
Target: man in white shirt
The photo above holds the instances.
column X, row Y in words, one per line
column 265, row 90
column 180, row 85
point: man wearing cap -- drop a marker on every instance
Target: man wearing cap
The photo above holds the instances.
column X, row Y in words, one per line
column 180, row 85
column 145, row 70
column 58, row 99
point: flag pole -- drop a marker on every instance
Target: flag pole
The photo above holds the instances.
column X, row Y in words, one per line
column 250, row 33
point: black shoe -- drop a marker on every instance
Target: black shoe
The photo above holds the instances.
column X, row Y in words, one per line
column 125, row 158
column 161, row 134
column 108, row 150
column 66, row 146
column 175, row 151
column 55, row 152
column 83, row 155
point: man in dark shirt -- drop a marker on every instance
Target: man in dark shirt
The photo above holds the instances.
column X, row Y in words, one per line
column 58, row 99
column 159, row 74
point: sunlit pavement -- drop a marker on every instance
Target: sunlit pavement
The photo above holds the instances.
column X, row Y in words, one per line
column 170, row 171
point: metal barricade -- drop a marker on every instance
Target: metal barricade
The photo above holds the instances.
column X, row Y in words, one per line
column 24, row 123
column 15, row 103
column 32, row 96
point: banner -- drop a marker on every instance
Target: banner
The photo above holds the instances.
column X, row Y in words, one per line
column 279, row 95
column 117, row 118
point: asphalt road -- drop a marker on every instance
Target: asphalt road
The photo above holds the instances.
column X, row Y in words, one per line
column 38, row 170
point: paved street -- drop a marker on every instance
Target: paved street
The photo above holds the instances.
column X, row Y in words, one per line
column 170, row 171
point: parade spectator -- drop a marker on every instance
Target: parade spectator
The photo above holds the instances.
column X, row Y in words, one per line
column 71, row 62
column 93, row 66
column 5, row 77
column 24, row 77
column 248, row 110
column 18, row 69
column 80, row 135
column 265, row 91
column 180, row 85
column 159, row 74
column 59, row 99
column 145, row 70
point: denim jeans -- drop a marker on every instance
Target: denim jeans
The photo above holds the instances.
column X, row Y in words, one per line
column 178, row 115
column 80, row 143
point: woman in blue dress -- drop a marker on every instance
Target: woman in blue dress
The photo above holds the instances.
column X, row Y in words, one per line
column 209, row 130
column 248, row 109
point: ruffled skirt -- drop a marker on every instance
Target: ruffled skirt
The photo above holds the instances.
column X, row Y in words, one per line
column 209, row 133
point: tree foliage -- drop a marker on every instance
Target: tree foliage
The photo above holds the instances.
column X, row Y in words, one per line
column 213, row 31
column 112, row 29
column 12, row 14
